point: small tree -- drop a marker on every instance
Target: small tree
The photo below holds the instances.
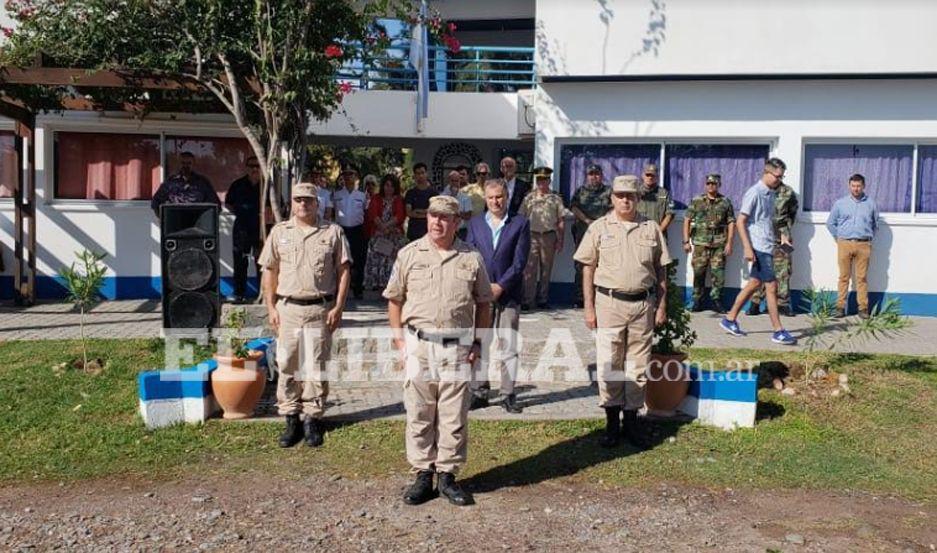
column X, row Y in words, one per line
column 232, row 339
column 84, row 289
column 677, row 328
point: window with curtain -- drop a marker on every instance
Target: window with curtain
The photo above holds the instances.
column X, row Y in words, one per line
column 887, row 170
column 927, row 179
column 8, row 165
column 101, row 166
column 615, row 159
column 688, row 164
column 220, row 160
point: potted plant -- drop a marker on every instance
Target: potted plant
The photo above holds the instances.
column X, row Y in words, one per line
column 667, row 378
column 238, row 382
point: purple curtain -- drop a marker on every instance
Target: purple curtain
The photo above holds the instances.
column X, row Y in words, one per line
column 927, row 179
column 886, row 168
column 615, row 159
column 688, row 164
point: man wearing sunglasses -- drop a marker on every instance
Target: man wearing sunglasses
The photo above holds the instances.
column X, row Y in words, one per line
column 655, row 203
column 476, row 191
column 243, row 200
column 708, row 231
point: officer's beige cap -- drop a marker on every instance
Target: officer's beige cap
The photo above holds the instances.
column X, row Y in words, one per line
column 305, row 190
column 625, row 183
column 444, row 205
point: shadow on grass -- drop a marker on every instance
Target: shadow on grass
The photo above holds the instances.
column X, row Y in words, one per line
column 566, row 458
column 767, row 410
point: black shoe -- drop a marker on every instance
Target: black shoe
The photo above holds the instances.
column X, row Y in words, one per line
column 293, row 433
column 753, row 309
column 313, row 430
column 612, row 435
column 421, row 490
column 630, row 431
column 448, row 487
column 478, row 402
column 509, row 403
column 525, row 307
column 863, row 314
column 718, row 308
column 785, row 311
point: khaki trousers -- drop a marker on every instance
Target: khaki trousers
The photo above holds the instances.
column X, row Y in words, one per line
column 623, row 350
column 303, row 348
column 499, row 351
column 539, row 267
column 853, row 254
column 436, row 396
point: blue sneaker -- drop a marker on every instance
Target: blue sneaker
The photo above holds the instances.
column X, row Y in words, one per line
column 783, row 337
column 732, row 327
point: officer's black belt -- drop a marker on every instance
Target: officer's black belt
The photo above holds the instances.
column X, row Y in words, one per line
column 313, row 301
column 437, row 338
column 623, row 296
column 857, row 239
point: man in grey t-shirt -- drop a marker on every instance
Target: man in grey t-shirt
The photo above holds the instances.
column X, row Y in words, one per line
column 755, row 225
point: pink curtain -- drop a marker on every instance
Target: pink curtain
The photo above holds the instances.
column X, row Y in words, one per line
column 8, row 165
column 220, row 160
column 101, row 166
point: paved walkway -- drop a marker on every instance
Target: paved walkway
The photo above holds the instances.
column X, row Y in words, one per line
column 570, row 396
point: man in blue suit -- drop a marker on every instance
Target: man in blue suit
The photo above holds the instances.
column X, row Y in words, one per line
column 503, row 241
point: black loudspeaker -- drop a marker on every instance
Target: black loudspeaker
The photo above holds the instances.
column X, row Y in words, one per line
column 190, row 266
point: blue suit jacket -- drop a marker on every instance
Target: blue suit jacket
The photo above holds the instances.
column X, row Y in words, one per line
column 505, row 265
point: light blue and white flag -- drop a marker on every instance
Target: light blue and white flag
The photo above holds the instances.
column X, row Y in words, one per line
column 419, row 59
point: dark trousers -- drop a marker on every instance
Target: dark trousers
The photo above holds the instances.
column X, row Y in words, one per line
column 242, row 252
column 358, row 243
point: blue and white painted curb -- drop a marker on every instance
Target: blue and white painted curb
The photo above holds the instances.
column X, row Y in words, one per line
column 172, row 396
column 725, row 399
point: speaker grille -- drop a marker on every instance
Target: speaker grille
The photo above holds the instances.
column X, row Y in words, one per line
column 189, row 269
column 191, row 310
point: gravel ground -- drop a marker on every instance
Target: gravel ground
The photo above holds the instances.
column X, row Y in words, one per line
column 241, row 511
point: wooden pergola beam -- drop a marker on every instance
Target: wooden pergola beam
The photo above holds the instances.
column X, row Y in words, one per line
column 59, row 76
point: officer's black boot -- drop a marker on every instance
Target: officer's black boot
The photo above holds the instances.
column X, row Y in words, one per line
column 421, row 490
column 509, row 403
column 313, row 430
column 293, row 432
column 785, row 311
column 612, row 427
column 630, row 430
column 753, row 309
column 452, row 490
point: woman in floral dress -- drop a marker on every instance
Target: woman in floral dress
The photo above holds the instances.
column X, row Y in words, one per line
column 384, row 227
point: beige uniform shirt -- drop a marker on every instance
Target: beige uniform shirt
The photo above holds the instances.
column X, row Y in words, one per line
column 626, row 256
column 544, row 211
column 476, row 193
column 308, row 259
column 438, row 289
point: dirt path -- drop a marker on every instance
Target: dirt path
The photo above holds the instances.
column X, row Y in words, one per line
column 241, row 511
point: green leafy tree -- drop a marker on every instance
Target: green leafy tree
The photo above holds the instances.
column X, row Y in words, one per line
column 270, row 63
column 84, row 288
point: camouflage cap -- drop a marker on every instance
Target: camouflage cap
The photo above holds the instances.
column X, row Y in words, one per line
column 625, row 183
column 714, row 177
column 444, row 205
column 542, row 172
column 305, row 190
column 594, row 168
column 651, row 168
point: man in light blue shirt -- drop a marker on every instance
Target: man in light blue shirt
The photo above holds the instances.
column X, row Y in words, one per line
column 853, row 221
column 755, row 225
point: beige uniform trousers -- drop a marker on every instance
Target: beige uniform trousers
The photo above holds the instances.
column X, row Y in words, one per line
column 539, row 267
column 623, row 349
column 499, row 351
column 301, row 357
column 851, row 254
column 436, row 396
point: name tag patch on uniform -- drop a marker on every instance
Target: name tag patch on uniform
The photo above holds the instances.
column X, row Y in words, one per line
column 608, row 240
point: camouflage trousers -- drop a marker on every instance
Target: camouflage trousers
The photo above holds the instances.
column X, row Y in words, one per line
column 782, row 272
column 713, row 260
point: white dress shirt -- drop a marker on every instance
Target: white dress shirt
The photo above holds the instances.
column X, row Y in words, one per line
column 349, row 207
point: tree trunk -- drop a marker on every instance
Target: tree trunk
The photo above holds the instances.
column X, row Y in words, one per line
column 84, row 347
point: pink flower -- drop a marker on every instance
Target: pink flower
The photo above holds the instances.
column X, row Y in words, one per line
column 345, row 88
column 452, row 43
column 333, row 51
column 452, row 27
column 7, row 32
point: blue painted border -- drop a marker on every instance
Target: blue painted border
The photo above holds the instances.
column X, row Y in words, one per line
column 117, row 288
column 724, row 385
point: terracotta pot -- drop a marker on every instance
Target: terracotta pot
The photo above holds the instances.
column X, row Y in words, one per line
column 237, row 384
column 667, row 383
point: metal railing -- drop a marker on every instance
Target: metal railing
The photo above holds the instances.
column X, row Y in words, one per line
column 472, row 69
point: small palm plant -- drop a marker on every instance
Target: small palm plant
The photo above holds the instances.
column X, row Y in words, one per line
column 84, row 288
column 231, row 337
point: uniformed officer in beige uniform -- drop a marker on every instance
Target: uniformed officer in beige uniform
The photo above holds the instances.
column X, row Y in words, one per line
column 438, row 300
column 305, row 282
column 546, row 212
column 624, row 286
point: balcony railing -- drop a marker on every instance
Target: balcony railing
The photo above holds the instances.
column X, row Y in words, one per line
column 472, row 69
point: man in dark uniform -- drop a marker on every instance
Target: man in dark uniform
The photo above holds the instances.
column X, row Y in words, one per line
column 243, row 200
column 589, row 203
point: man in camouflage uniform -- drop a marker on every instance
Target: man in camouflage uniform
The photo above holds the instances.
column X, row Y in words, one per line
column 785, row 213
column 589, row 203
column 708, row 231
column 654, row 202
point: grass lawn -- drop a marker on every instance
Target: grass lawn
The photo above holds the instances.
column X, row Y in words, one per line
column 882, row 438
